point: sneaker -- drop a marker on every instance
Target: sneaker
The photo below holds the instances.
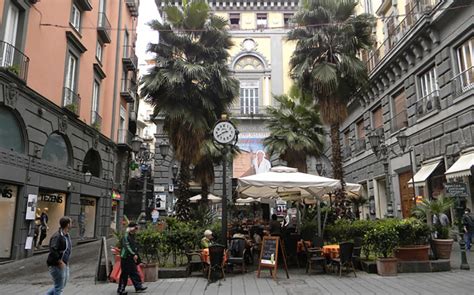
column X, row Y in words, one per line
column 141, row 289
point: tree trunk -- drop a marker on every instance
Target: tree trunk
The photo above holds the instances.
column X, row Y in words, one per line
column 338, row 172
column 204, row 194
column 183, row 193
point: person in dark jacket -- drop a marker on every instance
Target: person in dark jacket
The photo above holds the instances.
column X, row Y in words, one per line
column 60, row 248
column 129, row 260
column 275, row 226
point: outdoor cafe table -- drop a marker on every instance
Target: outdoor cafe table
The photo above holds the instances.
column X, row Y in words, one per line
column 331, row 251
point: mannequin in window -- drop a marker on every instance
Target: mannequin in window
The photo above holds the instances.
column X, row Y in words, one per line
column 43, row 226
column 260, row 163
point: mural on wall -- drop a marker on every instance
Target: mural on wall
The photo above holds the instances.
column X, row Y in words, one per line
column 253, row 159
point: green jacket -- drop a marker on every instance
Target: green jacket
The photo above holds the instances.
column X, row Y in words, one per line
column 129, row 246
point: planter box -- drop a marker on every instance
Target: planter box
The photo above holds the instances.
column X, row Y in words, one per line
column 387, row 266
column 151, row 272
column 443, row 248
column 177, row 272
column 369, row 266
column 413, row 253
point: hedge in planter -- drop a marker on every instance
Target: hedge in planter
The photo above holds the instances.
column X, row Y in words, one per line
column 413, row 235
column 382, row 240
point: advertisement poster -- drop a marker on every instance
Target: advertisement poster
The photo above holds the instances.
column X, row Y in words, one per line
column 31, row 207
column 253, row 159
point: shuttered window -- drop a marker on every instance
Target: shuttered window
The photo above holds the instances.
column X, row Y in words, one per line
column 377, row 118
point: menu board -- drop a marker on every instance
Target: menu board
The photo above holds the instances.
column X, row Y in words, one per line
column 269, row 251
column 271, row 247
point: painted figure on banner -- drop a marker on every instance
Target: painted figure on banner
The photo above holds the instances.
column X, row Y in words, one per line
column 260, row 163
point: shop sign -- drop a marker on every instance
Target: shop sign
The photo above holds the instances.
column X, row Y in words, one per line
column 87, row 202
column 457, row 189
column 52, row 198
column 115, row 195
column 7, row 191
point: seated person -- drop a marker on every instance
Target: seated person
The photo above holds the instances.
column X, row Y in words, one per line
column 275, row 226
column 207, row 240
column 239, row 234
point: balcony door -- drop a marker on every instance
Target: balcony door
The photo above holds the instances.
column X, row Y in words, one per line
column 406, row 193
column 10, row 37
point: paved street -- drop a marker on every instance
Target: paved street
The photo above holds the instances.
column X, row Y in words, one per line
column 30, row 277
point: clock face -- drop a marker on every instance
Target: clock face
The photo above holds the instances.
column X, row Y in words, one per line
column 224, row 132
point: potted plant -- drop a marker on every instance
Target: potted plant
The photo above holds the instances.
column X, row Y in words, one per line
column 382, row 240
column 442, row 243
column 149, row 241
column 413, row 235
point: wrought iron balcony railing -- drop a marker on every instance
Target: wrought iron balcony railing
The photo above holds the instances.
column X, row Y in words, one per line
column 360, row 145
column 124, row 137
column 128, row 90
column 132, row 7
column 96, row 120
column 463, row 82
column 129, row 59
column 427, row 104
column 104, row 28
column 71, row 101
column 13, row 60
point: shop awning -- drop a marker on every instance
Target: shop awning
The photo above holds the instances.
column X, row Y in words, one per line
column 462, row 167
column 423, row 174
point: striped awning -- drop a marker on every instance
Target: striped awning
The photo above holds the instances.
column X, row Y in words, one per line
column 462, row 167
column 422, row 175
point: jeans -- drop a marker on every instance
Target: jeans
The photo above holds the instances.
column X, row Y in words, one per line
column 60, row 277
column 467, row 239
column 129, row 269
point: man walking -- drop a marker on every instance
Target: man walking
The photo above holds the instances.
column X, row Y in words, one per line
column 468, row 222
column 129, row 261
column 60, row 249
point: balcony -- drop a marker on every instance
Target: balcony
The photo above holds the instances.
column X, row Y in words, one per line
column 103, row 28
column 427, row 104
column 128, row 90
column 419, row 9
column 346, row 152
column 129, row 59
column 132, row 6
column 462, row 82
column 71, row 101
column 13, row 60
column 360, row 145
column 124, row 139
column 247, row 112
column 96, row 120
column 399, row 121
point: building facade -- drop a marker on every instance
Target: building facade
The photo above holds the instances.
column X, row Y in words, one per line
column 67, row 102
column 422, row 81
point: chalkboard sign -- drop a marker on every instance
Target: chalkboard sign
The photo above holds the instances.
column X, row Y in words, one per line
column 457, row 189
column 269, row 252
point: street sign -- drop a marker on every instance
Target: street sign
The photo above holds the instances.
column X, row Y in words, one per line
column 457, row 189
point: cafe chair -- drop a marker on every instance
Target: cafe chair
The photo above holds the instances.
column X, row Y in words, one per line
column 318, row 242
column 345, row 258
column 357, row 251
column 314, row 256
column 237, row 253
column 216, row 260
column 195, row 261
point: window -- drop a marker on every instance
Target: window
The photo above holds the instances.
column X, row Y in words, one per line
column 249, row 97
column 95, row 102
column 465, row 59
column 399, row 113
column 10, row 132
column 55, row 150
column 75, row 17
column 234, row 19
column 377, row 118
column 428, row 84
column 368, row 6
column 70, row 81
column 346, row 138
column 7, row 57
column 99, row 51
column 262, row 20
column 287, row 19
column 360, row 129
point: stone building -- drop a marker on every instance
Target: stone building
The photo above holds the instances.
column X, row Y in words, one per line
column 67, row 95
column 422, row 81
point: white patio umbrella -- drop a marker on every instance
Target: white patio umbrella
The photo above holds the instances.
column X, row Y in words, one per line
column 285, row 181
column 210, row 197
column 247, row 201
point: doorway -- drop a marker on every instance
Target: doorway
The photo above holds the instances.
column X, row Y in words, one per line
column 406, row 193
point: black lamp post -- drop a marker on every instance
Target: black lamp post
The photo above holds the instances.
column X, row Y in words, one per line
column 143, row 156
column 174, row 170
column 382, row 151
column 402, row 140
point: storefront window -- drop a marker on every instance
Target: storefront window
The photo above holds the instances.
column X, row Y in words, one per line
column 11, row 136
column 50, row 208
column 86, row 220
column 92, row 163
column 56, row 151
column 8, row 195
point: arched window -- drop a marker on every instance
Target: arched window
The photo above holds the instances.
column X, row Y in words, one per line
column 11, row 135
column 92, row 163
column 56, row 150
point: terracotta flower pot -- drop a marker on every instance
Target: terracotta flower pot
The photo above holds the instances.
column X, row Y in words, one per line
column 443, row 248
column 413, row 253
column 387, row 266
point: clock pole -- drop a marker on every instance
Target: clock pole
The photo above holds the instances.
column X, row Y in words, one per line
column 224, row 196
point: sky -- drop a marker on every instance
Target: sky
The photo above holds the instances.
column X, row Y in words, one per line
column 147, row 12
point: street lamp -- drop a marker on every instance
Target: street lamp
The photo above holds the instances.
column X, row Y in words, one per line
column 87, row 176
column 382, row 151
column 174, row 171
column 319, row 168
column 143, row 156
column 402, row 140
column 164, row 149
column 460, row 207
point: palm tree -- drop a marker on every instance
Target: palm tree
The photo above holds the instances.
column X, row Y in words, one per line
column 427, row 208
column 325, row 63
column 190, row 84
column 295, row 130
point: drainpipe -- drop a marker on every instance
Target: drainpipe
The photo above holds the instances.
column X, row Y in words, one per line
column 117, row 61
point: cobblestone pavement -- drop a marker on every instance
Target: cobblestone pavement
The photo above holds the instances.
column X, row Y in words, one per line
column 30, row 277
